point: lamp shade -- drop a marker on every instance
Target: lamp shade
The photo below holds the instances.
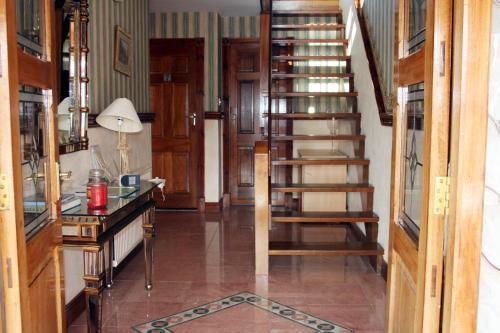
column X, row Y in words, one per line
column 63, row 116
column 121, row 109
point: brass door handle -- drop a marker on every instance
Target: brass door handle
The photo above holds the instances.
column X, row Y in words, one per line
column 65, row 175
column 193, row 118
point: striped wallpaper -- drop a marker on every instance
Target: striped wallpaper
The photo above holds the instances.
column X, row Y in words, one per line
column 212, row 27
column 240, row 26
column 194, row 25
column 105, row 83
column 380, row 19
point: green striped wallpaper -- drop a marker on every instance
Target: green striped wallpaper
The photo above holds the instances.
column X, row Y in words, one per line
column 212, row 27
column 194, row 25
column 380, row 17
column 240, row 26
column 105, row 83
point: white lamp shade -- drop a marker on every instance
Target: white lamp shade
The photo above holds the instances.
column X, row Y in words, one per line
column 120, row 109
column 63, row 117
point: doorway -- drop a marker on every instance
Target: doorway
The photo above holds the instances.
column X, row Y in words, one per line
column 176, row 95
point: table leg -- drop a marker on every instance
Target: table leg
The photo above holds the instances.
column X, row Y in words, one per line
column 93, row 261
column 148, row 222
column 109, row 262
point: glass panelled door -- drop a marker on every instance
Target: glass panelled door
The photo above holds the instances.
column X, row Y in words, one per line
column 420, row 162
column 30, row 228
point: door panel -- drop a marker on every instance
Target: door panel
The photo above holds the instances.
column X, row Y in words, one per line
column 176, row 92
column 420, row 156
column 245, row 118
column 30, row 232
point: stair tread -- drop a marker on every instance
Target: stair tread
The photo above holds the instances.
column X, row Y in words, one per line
column 326, row 249
column 322, row 188
column 315, row 26
column 296, row 216
column 318, row 12
column 299, row 137
column 314, row 116
column 341, row 41
column 311, row 57
column 314, row 94
column 320, row 161
column 311, row 75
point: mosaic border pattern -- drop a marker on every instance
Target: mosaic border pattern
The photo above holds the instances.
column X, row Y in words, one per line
column 165, row 324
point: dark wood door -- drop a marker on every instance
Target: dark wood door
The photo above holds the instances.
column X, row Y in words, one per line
column 176, row 93
column 245, row 121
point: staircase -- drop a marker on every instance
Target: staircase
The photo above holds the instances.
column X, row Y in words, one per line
column 313, row 107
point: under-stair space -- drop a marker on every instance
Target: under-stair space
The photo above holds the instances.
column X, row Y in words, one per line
column 318, row 173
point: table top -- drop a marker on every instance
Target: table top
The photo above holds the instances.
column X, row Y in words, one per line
column 114, row 204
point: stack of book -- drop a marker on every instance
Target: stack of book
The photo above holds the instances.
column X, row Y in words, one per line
column 69, row 201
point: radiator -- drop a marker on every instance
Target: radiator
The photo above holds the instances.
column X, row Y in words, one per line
column 126, row 240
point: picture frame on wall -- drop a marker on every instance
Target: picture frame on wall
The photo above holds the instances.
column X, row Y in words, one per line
column 123, row 52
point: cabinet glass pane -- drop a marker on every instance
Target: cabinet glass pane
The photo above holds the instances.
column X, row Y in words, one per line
column 417, row 15
column 29, row 21
column 414, row 149
column 32, row 120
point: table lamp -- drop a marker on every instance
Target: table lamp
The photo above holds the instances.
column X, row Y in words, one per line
column 120, row 116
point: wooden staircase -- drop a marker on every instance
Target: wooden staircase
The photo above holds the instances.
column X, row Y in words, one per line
column 310, row 80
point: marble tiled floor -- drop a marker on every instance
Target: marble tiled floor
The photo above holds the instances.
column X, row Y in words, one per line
column 200, row 258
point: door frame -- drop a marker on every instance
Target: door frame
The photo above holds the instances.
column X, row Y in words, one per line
column 227, row 138
column 200, row 92
column 469, row 119
column 468, row 135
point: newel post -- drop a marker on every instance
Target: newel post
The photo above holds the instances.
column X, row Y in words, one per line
column 261, row 208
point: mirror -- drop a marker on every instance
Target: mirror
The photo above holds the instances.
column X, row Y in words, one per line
column 72, row 53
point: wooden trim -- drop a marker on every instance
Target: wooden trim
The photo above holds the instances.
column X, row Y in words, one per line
column 145, row 117
column 385, row 113
column 414, row 68
column 214, row 115
column 471, row 58
column 262, row 210
column 214, row 207
column 265, row 6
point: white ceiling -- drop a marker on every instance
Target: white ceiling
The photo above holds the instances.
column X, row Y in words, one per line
column 224, row 7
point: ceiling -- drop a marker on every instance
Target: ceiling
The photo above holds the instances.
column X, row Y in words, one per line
column 224, row 7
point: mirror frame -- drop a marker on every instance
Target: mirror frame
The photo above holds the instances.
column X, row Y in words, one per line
column 79, row 80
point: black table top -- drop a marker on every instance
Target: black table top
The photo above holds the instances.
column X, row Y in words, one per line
column 114, row 204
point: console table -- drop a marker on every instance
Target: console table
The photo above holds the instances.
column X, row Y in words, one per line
column 91, row 230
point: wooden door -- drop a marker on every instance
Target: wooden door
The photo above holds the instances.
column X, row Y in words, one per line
column 176, row 94
column 245, row 121
column 30, row 218
column 420, row 166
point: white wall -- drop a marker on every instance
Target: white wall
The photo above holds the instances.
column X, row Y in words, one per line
column 79, row 164
column 213, row 160
column 378, row 137
column 489, row 293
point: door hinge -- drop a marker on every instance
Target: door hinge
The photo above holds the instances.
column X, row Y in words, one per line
column 4, row 198
column 441, row 195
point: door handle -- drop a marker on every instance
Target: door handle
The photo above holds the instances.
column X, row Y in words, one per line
column 193, row 118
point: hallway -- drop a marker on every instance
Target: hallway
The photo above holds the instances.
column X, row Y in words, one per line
column 202, row 258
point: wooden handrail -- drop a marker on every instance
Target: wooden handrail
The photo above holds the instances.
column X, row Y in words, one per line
column 384, row 113
column 262, row 207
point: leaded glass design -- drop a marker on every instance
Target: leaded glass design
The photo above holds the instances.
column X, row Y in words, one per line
column 413, row 159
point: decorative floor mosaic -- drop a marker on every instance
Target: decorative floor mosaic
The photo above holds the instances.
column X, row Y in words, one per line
column 166, row 324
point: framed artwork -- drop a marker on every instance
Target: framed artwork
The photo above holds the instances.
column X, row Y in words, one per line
column 123, row 52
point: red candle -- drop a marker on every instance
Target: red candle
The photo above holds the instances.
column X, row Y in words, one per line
column 97, row 190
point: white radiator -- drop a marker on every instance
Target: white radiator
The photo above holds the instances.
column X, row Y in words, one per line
column 127, row 239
